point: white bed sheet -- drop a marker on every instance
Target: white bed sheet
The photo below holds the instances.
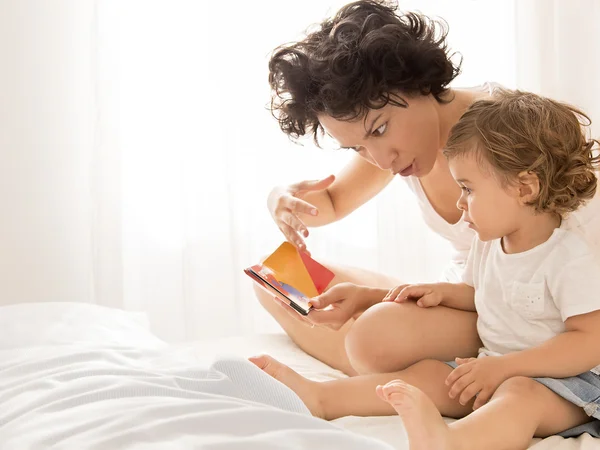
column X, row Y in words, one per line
column 388, row 429
column 76, row 376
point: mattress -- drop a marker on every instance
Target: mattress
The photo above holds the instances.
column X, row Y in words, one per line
column 388, row 429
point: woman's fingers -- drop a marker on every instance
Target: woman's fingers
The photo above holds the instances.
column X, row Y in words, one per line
column 297, row 205
column 333, row 318
column 330, row 296
column 291, row 311
column 292, row 236
column 294, row 222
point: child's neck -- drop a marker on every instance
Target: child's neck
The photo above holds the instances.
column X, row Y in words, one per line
column 535, row 230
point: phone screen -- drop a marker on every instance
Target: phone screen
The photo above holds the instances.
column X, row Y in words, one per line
column 283, row 291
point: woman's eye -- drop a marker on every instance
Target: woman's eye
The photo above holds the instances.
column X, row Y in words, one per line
column 379, row 131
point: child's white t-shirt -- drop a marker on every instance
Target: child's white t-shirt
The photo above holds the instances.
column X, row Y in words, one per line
column 523, row 299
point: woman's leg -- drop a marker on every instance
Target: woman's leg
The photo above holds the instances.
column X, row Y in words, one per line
column 405, row 332
column 323, row 343
column 357, row 396
column 392, row 336
column 520, row 409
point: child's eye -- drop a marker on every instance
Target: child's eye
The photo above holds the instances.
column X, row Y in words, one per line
column 379, row 131
column 466, row 189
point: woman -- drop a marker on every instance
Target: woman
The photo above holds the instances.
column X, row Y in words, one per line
column 378, row 83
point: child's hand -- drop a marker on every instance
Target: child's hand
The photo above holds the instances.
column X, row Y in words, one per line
column 393, row 293
column 427, row 295
column 478, row 377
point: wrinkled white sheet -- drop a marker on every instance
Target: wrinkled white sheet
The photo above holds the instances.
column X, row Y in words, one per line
column 389, row 429
column 81, row 376
column 93, row 353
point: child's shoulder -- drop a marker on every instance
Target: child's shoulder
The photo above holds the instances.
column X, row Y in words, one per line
column 571, row 245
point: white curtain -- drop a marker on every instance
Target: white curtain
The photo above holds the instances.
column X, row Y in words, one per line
column 138, row 155
column 559, row 51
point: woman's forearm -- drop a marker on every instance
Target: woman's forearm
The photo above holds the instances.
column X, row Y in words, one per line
column 372, row 296
column 322, row 201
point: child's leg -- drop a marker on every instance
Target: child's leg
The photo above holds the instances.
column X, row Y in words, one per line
column 356, row 396
column 520, row 409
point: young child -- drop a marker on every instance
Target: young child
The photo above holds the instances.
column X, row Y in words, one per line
column 523, row 163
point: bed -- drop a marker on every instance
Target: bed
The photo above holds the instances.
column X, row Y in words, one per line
column 388, row 429
column 82, row 376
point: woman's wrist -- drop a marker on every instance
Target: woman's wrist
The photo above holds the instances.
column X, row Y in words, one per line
column 371, row 296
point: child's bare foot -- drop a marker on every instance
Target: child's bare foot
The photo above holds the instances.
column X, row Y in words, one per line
column 307, row 390
column 424, row 425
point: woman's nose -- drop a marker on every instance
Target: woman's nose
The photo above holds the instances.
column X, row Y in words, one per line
column 384, row 158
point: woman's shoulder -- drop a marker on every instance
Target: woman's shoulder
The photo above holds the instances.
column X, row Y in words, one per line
column 490, row 88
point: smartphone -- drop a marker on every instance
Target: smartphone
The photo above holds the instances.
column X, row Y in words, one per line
column 284, row 292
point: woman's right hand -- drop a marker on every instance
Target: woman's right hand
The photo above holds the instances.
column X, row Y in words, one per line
column 334, row 307
column 284, row 205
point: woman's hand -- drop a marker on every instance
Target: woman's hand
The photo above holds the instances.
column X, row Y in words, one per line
column 284, row 205
column 426, row 295
column 334, row 307
column 478, row 377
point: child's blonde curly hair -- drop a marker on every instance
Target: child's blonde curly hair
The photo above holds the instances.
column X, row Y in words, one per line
column 520, row 132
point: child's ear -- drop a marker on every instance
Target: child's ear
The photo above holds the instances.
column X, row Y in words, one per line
column 529, row 187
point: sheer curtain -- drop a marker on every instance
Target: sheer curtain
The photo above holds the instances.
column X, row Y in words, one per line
column 559, row 51
column 137, row 152
column 199, row 152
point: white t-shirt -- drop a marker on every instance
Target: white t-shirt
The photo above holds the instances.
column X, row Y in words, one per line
column 523, row 299
column 586, row 220
column 458, row 234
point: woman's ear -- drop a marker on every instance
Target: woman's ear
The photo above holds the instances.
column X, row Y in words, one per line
column 529, row 187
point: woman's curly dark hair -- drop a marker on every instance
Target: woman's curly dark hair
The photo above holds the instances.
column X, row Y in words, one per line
column 360, row 59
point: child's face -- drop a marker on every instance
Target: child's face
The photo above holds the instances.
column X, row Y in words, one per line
column 491, row 209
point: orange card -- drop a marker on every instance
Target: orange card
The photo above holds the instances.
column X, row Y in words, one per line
column 299, row 270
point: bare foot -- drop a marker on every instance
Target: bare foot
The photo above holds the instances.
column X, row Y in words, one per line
column 424, row 425
column 306, row 389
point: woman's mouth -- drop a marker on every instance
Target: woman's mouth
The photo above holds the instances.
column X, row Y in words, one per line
column 407, row 171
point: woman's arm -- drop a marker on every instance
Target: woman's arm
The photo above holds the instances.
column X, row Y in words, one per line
column 356, row 184
column 570, row 353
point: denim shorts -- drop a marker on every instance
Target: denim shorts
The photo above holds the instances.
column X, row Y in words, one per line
column 583, row 391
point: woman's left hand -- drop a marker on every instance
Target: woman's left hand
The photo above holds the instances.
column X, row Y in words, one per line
column 478, row 377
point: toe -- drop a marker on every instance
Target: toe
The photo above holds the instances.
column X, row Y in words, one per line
column 265, row 362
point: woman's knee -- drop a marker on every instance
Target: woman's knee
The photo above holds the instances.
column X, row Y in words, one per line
column 382, row 339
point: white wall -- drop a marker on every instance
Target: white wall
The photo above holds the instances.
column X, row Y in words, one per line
column 46, row 118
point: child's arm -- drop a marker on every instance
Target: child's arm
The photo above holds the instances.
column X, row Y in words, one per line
column 573, row 352
column 452, row 295
column 575, row 287
column 458, row 296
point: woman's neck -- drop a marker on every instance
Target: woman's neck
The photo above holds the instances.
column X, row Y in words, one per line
column 458, row 101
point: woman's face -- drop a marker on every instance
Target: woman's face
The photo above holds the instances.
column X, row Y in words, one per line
column 405, row 141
